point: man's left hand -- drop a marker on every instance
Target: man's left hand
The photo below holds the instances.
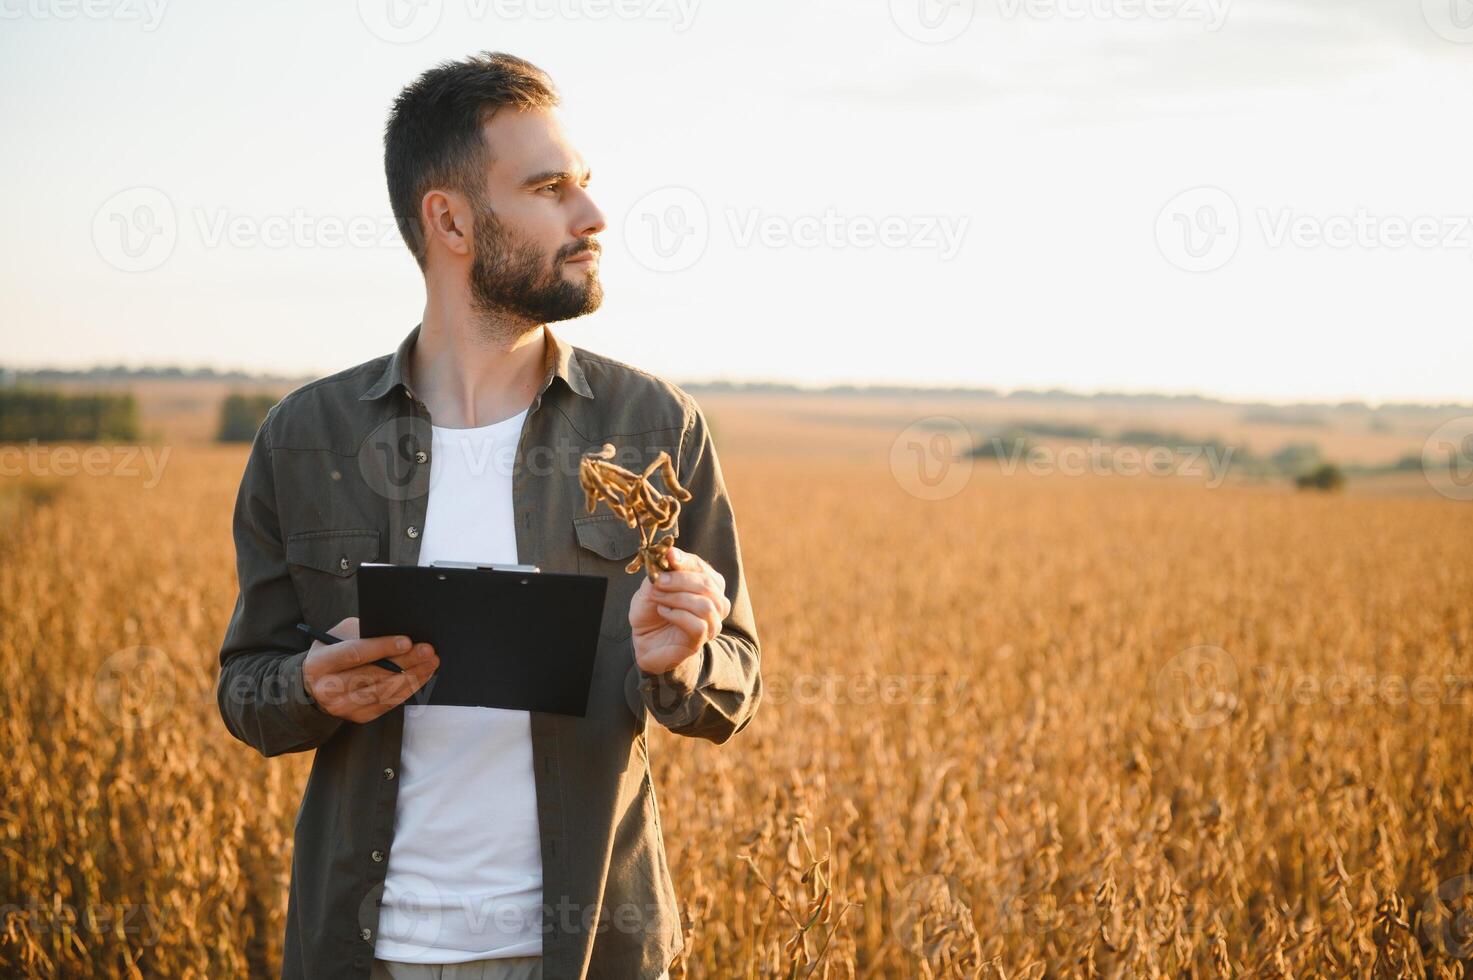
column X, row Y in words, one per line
column 672, row 619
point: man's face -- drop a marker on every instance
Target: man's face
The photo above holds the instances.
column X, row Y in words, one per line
column 535, row 255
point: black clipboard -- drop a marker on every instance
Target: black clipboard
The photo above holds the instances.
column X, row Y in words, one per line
column 506, row 639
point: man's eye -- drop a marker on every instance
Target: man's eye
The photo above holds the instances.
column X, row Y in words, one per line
column 548, row 187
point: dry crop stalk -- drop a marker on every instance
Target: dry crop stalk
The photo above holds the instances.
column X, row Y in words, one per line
column 636, row 502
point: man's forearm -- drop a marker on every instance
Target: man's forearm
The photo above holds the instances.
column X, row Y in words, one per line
column 711, row 695
column 265, row 704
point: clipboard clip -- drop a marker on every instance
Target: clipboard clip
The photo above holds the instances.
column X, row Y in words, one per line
column 488, row 565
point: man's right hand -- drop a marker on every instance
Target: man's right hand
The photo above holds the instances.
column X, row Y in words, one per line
column 342, row 678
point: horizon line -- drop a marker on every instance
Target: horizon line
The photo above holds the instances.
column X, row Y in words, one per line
column 175, row 372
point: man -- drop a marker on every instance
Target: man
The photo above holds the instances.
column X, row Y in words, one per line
column 438, row 841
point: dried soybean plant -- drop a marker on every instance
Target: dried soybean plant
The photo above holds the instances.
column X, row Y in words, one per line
column 636, row 502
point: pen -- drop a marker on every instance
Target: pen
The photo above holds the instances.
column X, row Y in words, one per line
column 327, row 637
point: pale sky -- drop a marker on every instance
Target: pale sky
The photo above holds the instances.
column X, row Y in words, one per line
column 1243, row 198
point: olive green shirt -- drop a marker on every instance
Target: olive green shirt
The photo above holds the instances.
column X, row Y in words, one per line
column 339, row 474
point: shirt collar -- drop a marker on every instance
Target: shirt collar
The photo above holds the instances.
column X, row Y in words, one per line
column 561, row 362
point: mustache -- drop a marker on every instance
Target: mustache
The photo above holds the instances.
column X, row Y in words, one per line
column 589, row 246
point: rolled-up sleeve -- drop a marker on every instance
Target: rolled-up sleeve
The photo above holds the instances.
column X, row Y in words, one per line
column 260, row 691
column 713, row 694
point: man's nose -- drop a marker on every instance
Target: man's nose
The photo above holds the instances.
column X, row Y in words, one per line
column 590, row 219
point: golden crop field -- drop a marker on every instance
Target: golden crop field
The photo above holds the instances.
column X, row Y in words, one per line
column 1045, row 726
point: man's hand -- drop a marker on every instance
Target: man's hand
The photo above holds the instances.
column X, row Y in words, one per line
column 673, row 618
column 342, row 678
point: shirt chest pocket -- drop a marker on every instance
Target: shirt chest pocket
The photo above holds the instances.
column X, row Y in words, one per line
column 605, row 546
column 323, row 567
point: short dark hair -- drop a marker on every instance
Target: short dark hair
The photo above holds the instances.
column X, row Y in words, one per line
column 433, row 138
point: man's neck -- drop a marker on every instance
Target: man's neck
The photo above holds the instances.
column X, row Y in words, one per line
column 471, row 370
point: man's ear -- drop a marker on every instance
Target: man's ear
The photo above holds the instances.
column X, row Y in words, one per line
column 447, row 219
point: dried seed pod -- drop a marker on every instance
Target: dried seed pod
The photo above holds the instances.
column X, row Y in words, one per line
column 635, row 501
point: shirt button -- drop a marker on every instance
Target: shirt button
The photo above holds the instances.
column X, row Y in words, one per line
column 378, row 857
column 412, row 531
column 365, row 934
column 421, row 456
column 389, row 773
column 344, row 564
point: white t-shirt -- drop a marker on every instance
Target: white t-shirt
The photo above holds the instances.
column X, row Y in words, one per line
column 465, row 870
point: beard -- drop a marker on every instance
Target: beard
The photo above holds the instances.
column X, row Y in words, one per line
column 511, row 276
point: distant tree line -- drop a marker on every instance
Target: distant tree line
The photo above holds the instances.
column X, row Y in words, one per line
column 241, row 415
column 47, row 415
